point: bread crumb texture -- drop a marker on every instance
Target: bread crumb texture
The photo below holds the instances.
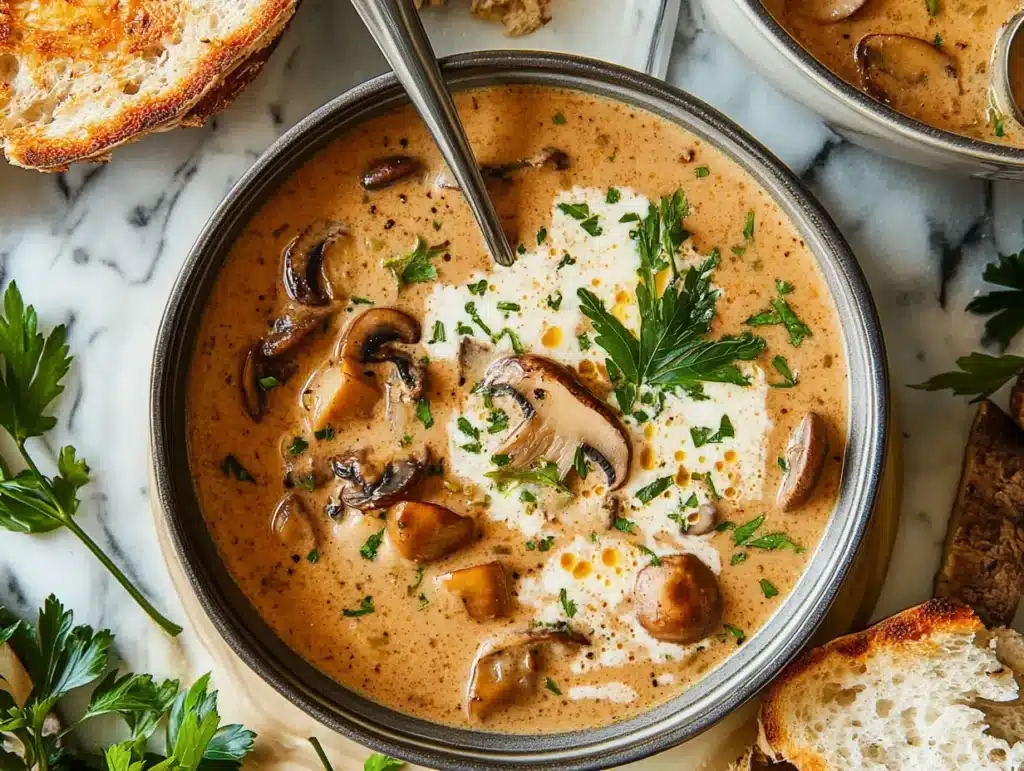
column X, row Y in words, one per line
column 519, row 17
column 80, row 77
column 912, row 692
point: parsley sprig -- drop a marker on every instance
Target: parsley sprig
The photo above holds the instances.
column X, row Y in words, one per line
column 31, row 372
column 672, row 349
column 60, row 658
column 415, row 266
column 979, row 375
column 1006, row 306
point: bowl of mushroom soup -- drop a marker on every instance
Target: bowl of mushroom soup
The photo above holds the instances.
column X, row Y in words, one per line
column 916, row 80
column 566, row 513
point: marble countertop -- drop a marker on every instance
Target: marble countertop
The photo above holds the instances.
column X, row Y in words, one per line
column 99, row 247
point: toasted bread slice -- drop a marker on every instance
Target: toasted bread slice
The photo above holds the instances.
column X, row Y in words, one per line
column 908, row 693
column 77, row 79
column 983, row 560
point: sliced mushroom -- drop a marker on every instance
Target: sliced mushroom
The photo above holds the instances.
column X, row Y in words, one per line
column 289, row 331
column 425, row 532
column 483, row 589
column 348, row 387
column 1017, row 402
column 678, row 600
column 828, row 11
column 364, row 490
column 909, row 73
column 474, row 358
column 303, row 263
column 546, row 158
column 805, row 459
column 291, row 524
column 258, row 375
column 504, row 673
column 702, row 520
column 559, row 416
column 385, row 172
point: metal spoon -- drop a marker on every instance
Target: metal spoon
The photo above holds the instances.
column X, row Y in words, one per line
column 1005, row 80
column 399, row 33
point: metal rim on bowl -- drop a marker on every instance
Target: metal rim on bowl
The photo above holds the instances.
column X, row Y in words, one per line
column 430, row 744
column 988, row 153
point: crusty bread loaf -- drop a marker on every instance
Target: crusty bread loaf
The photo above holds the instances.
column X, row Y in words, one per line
column 78, row 79
column 911, row 692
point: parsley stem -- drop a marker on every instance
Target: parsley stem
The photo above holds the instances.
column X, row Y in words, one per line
column 69, row 522
column 320, row 753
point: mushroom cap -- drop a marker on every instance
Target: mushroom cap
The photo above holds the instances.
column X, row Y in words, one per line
column 303, row 263
column 828, row 11
column 805, row 458
column 679, row 600
column 367, row 337
column 291, row 329
column 362, row 492
column 909, row 73
column 425, row 532
column 385, row 172
column 505, row 671
column 702, row 520
column 559, row 416
column 484, row 590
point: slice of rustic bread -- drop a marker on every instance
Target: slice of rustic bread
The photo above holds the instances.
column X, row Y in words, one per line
column 78, row 79
column 908, row 693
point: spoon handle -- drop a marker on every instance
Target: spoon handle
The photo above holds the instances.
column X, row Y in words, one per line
column 398, row 31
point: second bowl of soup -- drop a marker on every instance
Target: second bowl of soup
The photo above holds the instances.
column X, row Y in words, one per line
column 570, row 510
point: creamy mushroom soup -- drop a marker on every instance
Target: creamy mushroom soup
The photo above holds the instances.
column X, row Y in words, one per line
column 928, row 59
column 473, row 493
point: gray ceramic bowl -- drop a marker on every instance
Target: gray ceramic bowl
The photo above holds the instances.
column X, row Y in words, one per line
column 854, row 114
column 436, row 746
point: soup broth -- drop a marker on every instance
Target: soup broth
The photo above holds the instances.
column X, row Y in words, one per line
column 566, row 482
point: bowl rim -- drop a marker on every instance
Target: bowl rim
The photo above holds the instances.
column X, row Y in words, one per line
column 741, row 675
column 910, row 129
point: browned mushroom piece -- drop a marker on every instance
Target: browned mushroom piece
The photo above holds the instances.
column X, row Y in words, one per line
column 828, row 11
column 474, row 358
column 497, row 173
column 364, row 489
column 425, row 532
column 701, row 520
column 559, row 416
column 1017, row 402
column 289, row 331
column 483, row 589
column 303, row 263
column 385, row 172
column 909, row 73
column 347, row 387
column 257, row 376
column 291, row 524
column 505, row 672
column 805, row 459
column 678, row 600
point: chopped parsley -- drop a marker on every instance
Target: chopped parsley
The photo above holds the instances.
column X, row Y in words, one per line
column 613, row 195
column 423, row 413
column 473, row 447
column 783, row 287
column 709, row 483
column 580, row 463
column 471, row 311
column 702, row 171
column 463, row 329
column 478, row 288
column 738, row 557
column 545, row 473
column 424, row 602
column 782, row 313
column 521, row 249
column 544, row 544
column 313, row 557
column 327, row 432
column 567, row 605
column 268, row 383
column 748, row 226
column 500, row 460
column 780, row 365
column 420, row 570
column 527, row 497
column 368, row 551
column 676, row 321
column 232, row 467
column 497, row 420
column 555, row 300
column 702, row 435
column 439, row 336
column 932, row 6
column 783, row 463
column 624, row 525
column 937, row 40
column 775, row 542
column 416, row 266
column 567, row 259
column 655, row 559
column 736, row 632
column 630, row 217
column 365, row 608
column 552, row 686
column 584, row 340
column 467, row 428
column 542, row 234
column 558, row 119
column 298, row 446
column 507, row 306
column 649, row 492
column 768, row 588
column 745, row 532
column 360, row 301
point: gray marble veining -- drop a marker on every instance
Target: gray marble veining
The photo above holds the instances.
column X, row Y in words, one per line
column 98, row 248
